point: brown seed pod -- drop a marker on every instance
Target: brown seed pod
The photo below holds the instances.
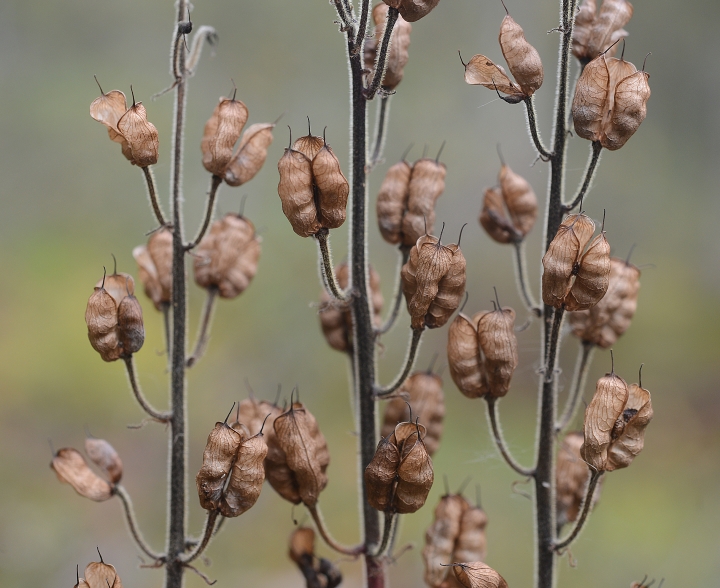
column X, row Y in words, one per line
column 412, row 10
column 222, row 131
column 220, row 453
column 299, row 455
column 467, row 367
column 131, row 332
column 155, row 267
column 252, row 413
column 380, row 474
column 610, row 318
column 561, row 259
column 494, row 220
column 101, row 575
column 71, row 468
column 332, row 188
column 601, row 417
column 593, row 276
column 496, row 335
column 471, row 542
column 595, row 33
column 481, row 71
column 296, row 192
column 629, row 432
column 519, row 198
column 251, row 154
column 392, row 201
column 302, row 544
column 423, row 391
column 441, row 536
column 397, row 56
column 522, row 58
column 104, row 456
column 478, row 575
column 427, row 183
column 246, row 477
column 451, row 290
column 572, row 476
column 227, row 257
column 309, row 145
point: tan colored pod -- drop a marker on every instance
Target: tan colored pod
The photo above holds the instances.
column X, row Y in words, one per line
column 253, row 413
column 220, row 453
column 155, row 267
column 380, row 474
column 71, row 468
column 572, row 477
column 522, row 58
column 427, row 183
column 130, row 327
column 101, row 320
column 251, row 154
column 440, row 538
column 451, row 290
column 478, row 575
column 601, row 416
column 104, row 456
column 302, row 544
column 392, row 201
column 227, row 257
column 246, row 477
column 559, row 261
column 519, row 198
column 498, row 343
column 630, row 109
column 482, row 71
column 414, row 475
column 332, row 188
column 101, row 575
column 412, row 10
column 296, row 192
column 607, row 26
column 309, row 145
column 593, row 276
column 221, row 132
column 471, row 543
column 494, row 220
column 397, row 56
column 629, row 431
column 467, row 368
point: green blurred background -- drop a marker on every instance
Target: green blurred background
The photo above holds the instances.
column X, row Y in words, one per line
column 69, row 200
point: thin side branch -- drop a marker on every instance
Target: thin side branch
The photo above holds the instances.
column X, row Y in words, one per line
column 152, row 195
column 545, row 154
column 381, row 62
column 397, row 296
column 204, row 33
column 409, row 362
column 380, row 129
column 388, row 527
column 554, row 344
column 132, row 524
column 500, row 441
column 578, row 384
column 212, row 516
column 329, row 540
column 522, row 280
column 204, row 331
column 190, row 543
column 327, row 271
column 582, row 519
column 362, row 29
column 161, row 417
column 209, row 210
column 593, row 160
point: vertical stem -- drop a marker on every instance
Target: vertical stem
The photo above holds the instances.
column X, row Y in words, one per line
column 178, row 425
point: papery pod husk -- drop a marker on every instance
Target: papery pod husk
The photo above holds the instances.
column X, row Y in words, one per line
column 108, row 109
column 607, row 26
column 412, row 10
column 519, row 198
column 140, row 135
column 104, row 456
column 397, row 56
column 392, row 201
column 423, row 391
column 427, row 183
column 450, row 292
column 227, row 257
column 440, row 538
column 591, row 96
column 471, row 543
column 155, row 267
column 630, row 109
column 101, row 320
column 496, row 335
column 636, row 415
column 102, row 575
column 428, row 262
column 493, row 218
column 593, row 276
column 415, row 475
column 380, row 474
column 563, row 253
column 478, row 575
column 522, row 58
column 482, row 71
column 219, row 454
column 601, row 415
column 296, row 192
column 309, row 145
column 467, row 368
column 610, row 318
column 222, row 130
column 251, row 154
column 130, row 327
column 71, row 468
column 246, row 478
column 306, row 455
column 332, row 187
column 253, row 413
column 572, row 476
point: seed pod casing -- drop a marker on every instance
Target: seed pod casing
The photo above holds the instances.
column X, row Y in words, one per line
column 392, row 201
column 222, row 130
column 412, row 10
column 251, row 154
column 220, row 452
column 440, row 538
column 482, row 71
column 71, row 468
column 478, row 575
column 522, row 58
column 130, row 327
column 102, row 575
column 471, row 542
column 246, row 477
column 414, row 475
column 296, row 192
column 636, row 415
column 450, row 292
column 496, row 335
column 593, row 276
column 427, row 183
column 493, row 218
column 467, row 368
column 155, row 267
column 332, row 188
column 519, row 198
column 380, row 474
column 104, row 456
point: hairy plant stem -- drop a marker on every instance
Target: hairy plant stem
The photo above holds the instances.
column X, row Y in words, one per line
column 329, row 540
column 578, row 383
column 398, row 294
column 500, row 441
column 209, row 209
column 161, row 417
column 152, row 195
column 595, row 150
column 132, row 524
column 407, row 366
column 327, row 271
column 388, row 533
column 204, row 331
column 582, row 519
column 208, row 533
column 522, row 280
column 381, row 62
column 534, row 132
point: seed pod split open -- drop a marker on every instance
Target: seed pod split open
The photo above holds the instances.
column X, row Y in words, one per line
column 71, row 468
column 596, row 32
column 478, row 575
column 155, row 267
column 412, row 10
column 104, row 456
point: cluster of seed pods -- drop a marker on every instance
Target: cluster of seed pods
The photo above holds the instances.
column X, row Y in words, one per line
column 457, row 534
column 98, row 574
column 523, row 61
column 406, row 201
column 397, row 56
column 71, row 468
column 596, row 32
column 318, row 571
column 571, row 479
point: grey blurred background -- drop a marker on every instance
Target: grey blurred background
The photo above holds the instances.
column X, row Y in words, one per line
column 69, row 200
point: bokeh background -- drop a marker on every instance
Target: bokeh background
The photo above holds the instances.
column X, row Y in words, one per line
column 69, row 200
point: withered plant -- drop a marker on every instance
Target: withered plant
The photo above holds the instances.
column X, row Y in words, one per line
column 284, row 443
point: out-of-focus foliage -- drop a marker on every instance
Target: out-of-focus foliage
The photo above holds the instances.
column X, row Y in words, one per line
column 69, row 200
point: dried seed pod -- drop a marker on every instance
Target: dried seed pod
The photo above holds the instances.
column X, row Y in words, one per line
column 496, row 335
column 610, row 318
column 451, row 290
column 220, row 452
column 227, row 257
column 104, row 456
column 494, row 220
column 423, row 391
column 471, row 542
column 332, row 188
column 309, row 145
column 601, row 417
column 519, row 198
column 412, row 10
column 155, row 267
column 561, row 259
column 572, row 477
column 594, row 33
column 482, row 71
column 441, row 536
column 251, row 154
column 221, row 132
column 380, row 474
column 392, row 201
column 397, row 56
column 629, row 432
column 302, row 544
column 297, row 457
column 252, row 414
column 593, row 276
column 101, row 319
column 522, row 58
column 130, row 328
column 102, row 575
column 478, row 575
column 318, row 572
column 427, row 183
column 467, row 367
column 71, row 468
column 246, row 477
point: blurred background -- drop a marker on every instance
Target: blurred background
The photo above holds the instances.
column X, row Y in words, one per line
column 70, row 200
